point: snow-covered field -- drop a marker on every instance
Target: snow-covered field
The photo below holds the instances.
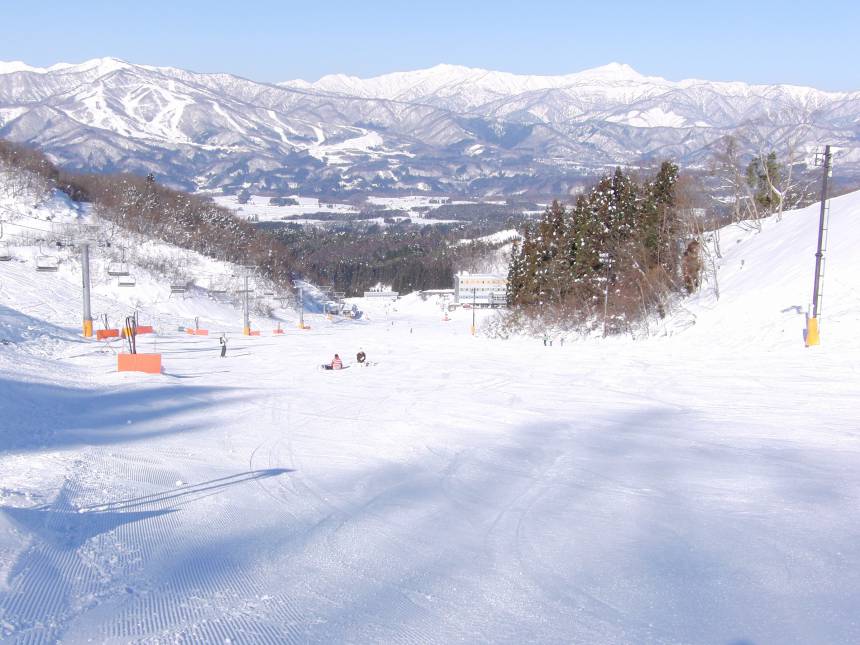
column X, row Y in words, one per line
column 258, row 206
column 696, row 487
column 303, row 211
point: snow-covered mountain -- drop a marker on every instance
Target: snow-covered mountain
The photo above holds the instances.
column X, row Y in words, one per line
column 446, row 129
column 463, row 88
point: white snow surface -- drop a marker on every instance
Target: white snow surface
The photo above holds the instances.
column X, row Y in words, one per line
column 699, row 486
column 499, row 237
column 258, row 206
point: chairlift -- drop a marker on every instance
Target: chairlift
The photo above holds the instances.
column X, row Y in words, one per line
column 117, row 269
column 126, row 281
column 47, row 263
column 5, row 253
column 178, row 288
column 217, row 287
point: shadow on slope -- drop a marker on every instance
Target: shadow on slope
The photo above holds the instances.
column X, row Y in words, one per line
column 42, row 416
column 17, row 327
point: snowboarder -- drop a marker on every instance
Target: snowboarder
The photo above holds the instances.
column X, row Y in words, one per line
column 361, row 356
column 545, row 338
column 223, row 342
column 336, row 364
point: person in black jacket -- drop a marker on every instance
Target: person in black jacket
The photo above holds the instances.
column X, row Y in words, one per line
column 361, row 356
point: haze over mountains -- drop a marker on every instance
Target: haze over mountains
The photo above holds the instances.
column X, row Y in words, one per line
column 446, row 129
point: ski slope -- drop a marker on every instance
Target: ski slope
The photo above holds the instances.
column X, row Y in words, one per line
column 697, row 486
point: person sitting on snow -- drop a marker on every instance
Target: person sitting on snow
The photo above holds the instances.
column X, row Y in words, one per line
column 336, row 363
column 361, row 356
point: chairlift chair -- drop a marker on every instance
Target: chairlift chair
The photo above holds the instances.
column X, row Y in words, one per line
column 117, row 269
column 126, row 281
column 217, row 286
column 47, row 263
column 178, row 288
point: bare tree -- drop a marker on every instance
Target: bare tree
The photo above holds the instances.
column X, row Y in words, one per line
column 730, row 171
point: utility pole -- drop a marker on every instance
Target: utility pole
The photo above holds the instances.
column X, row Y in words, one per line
column 812, row 329
column 298, row 285
column 301, row 308
column 246, row 327
column 85, row 272
column 474, row 301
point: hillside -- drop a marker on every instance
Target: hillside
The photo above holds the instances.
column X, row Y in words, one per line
column 168, row 286
column 765, row 282
column 696, row 485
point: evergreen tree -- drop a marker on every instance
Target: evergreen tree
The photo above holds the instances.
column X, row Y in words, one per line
column 658, row 221
column 515, row 276
column 550, row 240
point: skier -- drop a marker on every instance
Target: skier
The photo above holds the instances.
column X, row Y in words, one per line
column 361, row 356
column 223, row 342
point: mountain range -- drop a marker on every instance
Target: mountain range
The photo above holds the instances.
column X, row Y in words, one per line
column 447, row 130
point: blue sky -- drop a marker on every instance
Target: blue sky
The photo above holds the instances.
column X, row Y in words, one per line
column 759, row 42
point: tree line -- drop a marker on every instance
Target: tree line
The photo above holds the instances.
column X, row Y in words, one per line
column 354, row 257
column 614, row 257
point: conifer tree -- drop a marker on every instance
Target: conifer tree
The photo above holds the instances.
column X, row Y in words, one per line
column 659, row 220
column 515, row 276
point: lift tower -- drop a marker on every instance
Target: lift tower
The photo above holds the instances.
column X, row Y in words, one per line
column 812, row 328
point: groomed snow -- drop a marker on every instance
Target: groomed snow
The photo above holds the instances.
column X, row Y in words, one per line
column 695, row 487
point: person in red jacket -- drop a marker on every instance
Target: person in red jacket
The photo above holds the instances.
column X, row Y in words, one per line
column 336, row 364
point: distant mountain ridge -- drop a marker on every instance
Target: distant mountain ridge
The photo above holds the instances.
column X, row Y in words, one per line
column 447, row 129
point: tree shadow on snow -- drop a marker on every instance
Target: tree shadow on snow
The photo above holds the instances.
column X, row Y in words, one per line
column 17, row 327
column 37, row 416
